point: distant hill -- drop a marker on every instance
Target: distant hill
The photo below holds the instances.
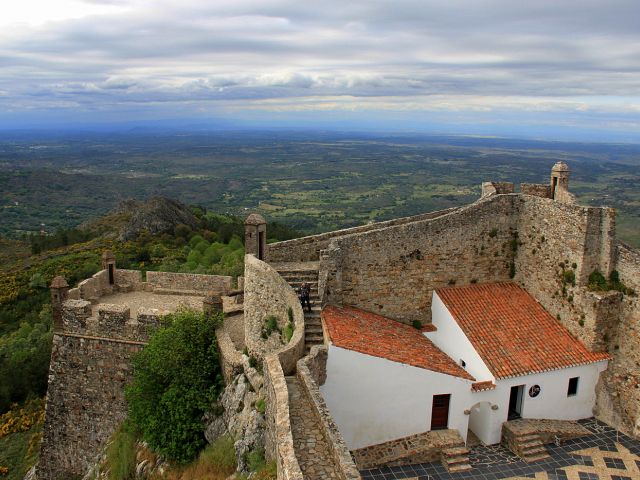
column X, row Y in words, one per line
column 132, row 217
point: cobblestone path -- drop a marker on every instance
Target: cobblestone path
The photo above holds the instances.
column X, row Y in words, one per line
column 312, row 450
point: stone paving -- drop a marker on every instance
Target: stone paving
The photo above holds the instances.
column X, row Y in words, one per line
column 604, row 455
column 135, row 300
column 312, row 450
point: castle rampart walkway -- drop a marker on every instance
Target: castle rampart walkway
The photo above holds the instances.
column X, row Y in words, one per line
column 311, row 448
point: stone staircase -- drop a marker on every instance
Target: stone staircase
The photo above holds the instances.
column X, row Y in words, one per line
column 296, row 275
column 456, row 459
column 530, row 447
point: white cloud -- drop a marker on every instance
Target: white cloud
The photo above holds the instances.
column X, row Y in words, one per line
column 404, row 55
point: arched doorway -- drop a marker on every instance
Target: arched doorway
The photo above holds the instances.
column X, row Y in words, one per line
column 480, row 422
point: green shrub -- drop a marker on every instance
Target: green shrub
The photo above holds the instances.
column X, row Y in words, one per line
column 176, row 378
column 270, row 326
column 261, row 405
column 417, row 324
column 121, row 453
column 290, row 314
column 597, row 281
column 255, row 459
column 221, row 454
column 569, row 276
column 512, row 270
column 287, row 332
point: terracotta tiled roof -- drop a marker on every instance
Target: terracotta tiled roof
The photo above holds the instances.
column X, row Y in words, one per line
column 375, row 335
column 482, row 386
column 511, row 331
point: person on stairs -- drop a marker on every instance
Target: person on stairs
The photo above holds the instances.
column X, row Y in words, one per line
column 305, row 292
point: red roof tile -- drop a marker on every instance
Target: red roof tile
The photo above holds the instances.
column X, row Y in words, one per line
column 375, row 335
column 482, row 386
column 512, row 332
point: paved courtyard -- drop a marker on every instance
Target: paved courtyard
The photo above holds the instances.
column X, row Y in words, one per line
column 605, row 455
column 136, row 300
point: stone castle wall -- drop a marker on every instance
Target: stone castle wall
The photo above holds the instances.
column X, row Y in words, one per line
column 266, row 294
column 393, row 271
column 619, row 395
column 91, row 363
column 307, row 249
column 85, row 402
column 558, row 249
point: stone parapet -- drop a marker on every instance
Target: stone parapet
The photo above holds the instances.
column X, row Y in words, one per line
column 278, row 438
column 340, row 455
column 128, row 280
column 93, row 288
column 536, row 189
column 178, row 282
column 230, row 357
column 75, row 314
column 307, row 249
column 112, row 320
column 393, row 271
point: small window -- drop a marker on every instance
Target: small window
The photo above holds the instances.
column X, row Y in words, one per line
column 463, row 363
column 573, row 387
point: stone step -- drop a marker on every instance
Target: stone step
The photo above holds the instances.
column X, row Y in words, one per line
column 527, row 436
column 311, row 329
column 539, row 450
column 455, row 451
column 535, row 458
column 530, row 445
column 305, row 277
column 459, row 468
column 314, row 337
column 313, row 284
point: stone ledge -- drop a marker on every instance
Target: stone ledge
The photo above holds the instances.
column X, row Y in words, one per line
column 279, row 439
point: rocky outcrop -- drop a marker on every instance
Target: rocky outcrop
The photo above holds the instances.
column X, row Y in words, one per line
column 239, row 413
column 157, row 215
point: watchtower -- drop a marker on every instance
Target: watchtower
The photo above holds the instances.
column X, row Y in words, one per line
column 109, row 264
column 59, row 290
column 559, row 179
column 255, row 235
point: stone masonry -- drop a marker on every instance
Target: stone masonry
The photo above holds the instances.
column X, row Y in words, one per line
column 98, row 327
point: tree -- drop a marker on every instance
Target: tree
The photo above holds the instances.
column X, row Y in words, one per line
column 176, row 378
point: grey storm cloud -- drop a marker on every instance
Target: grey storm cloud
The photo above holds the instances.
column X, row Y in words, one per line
column 256, row 51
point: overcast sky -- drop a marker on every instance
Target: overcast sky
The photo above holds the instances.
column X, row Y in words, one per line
column 481, row 66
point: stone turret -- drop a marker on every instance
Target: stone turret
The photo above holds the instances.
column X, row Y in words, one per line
column 59, row 292
column 255, row 236
column 559, row 178
column 109, row 264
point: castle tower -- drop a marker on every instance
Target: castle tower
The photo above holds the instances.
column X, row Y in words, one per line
column 59, row 290
column 109, row 264
column 559, row 179
column 255, row 235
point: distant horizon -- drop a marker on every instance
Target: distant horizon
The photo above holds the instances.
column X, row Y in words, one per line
column 202, row 128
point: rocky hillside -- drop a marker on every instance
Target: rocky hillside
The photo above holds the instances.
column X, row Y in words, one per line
column 132, row 217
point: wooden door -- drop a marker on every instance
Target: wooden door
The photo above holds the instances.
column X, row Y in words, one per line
column 440, row 412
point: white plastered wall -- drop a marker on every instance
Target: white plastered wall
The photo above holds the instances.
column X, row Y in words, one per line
column 450, row 338
column 551, row 403
column 374, row 400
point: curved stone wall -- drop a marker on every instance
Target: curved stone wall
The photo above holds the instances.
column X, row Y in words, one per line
column 266, row 294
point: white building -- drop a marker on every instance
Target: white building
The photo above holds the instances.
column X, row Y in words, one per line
column 492, row 354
